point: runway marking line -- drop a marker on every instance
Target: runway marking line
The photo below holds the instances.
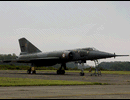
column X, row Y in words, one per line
column 54, row 96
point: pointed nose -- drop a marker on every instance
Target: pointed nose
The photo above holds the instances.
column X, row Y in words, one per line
column 111, row 55
column 101, row 54
column 105, row 54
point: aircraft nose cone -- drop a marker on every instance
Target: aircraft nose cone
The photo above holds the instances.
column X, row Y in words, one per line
column 108, row 55
column 101, row 54
column 105, row 54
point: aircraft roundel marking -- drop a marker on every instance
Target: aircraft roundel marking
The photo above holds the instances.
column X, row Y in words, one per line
column 63, row 55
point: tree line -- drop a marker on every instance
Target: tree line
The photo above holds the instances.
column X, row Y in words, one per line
column 7, row 56
column 116, row 66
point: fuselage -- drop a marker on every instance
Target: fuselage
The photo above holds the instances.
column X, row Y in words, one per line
column 57, row 57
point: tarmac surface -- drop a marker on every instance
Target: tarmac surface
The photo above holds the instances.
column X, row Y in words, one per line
column 119, row 87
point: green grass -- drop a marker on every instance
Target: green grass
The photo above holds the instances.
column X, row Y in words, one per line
column 115, row 72
column 6, row 81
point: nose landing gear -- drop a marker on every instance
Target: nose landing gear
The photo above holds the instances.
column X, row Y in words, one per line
column 97, row 69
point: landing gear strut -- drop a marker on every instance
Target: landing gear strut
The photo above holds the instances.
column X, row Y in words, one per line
column 60, row 71
column 97, row 69
column 82, row 70
column 31, row 70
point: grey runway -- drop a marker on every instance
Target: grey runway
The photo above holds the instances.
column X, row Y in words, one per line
column 120, row 89
column 117, row 79
column 66, row 92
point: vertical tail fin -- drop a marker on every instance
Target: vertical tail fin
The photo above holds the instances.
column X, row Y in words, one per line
column 27, row 47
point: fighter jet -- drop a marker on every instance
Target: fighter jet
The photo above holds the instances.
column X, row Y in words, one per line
column 31, row 54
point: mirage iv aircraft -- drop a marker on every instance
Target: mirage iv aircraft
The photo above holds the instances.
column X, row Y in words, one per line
column 31, row 54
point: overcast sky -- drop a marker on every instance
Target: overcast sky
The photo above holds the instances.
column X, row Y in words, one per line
column 59, row 25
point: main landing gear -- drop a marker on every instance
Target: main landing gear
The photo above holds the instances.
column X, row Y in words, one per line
column 60, row 71
column 31, row 70
column 82, row 70
column 81, row 67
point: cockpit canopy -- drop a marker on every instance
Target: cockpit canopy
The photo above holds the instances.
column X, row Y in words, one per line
column 86, row 49
column 89, row 49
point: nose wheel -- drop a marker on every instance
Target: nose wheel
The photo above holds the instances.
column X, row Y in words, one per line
column 97, row 69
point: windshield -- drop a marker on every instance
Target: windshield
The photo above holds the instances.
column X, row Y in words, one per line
column 90, row 49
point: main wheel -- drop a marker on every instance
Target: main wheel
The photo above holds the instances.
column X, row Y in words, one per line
column 60, row 72
column 34, row 72
column 81, row 74
column 28, row 71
